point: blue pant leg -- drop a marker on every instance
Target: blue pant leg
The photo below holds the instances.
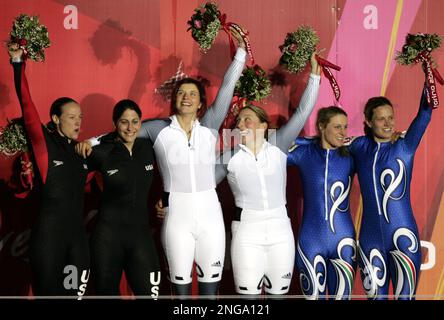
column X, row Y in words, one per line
column 312, row 270
column 341, row 269
column 405, row 262
column 374, row 270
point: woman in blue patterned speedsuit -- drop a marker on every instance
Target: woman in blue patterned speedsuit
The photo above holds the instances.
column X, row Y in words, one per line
column 389, row 244
column 326, row 249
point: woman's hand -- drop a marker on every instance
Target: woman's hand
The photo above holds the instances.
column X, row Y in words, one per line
column 15, row 52
column 84, row 148
column 160, row 210
column 315, row 67
column 236, row 34
column 395, row 136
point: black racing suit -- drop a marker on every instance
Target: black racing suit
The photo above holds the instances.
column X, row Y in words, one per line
column 58, row 251
column 122, row 239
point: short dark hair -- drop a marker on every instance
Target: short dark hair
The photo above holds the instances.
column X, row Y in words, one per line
column 369, row 109
column 202, row 94
column 122, row 106
column 57, row 109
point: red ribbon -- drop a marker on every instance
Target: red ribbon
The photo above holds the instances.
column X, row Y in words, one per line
column 226, row 27
column 236, row 106
column 432, row 77
column 326, row 65
column 26, row 175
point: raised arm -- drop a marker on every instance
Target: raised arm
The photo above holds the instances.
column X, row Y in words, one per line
column 33, row 125
column 419, row 124
column 288, row 132
column 215, row 115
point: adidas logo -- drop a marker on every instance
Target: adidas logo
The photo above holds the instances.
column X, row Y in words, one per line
column 149, row 167
column 111, row 172
column 216, row 264
column 57, row 163
column 287, row 276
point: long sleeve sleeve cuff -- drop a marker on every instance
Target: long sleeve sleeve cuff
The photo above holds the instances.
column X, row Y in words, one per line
column 94, row 141
column 16, row 60
column 241, row 54
column 315, row 77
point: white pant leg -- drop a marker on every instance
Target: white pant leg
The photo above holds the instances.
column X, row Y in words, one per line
column 280, row 256
column 178, row 240
column 194, row 230
column 247, row 257
column 210, row 238
column 263, row 251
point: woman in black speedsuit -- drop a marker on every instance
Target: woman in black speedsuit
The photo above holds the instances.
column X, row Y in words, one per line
column 121, row 240
column 58, row 250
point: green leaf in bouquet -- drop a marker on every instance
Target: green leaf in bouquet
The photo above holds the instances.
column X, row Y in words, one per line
column 205, row 25
column 253, row 85
column 13, row 138
column 415, row 44
column 297, row 48
column 30, row 35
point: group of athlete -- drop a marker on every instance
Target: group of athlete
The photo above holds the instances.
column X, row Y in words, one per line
column 263, row 249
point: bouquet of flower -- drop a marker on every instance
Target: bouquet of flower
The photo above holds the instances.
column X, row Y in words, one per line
column 414, row 45
column 253, row 84
column 205, row 25
column 13, row 141
column 13, row 138
column 31, row 36
column 297, row 48
column 418, row 48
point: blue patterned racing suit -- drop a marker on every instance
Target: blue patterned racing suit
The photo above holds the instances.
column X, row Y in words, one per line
column 389, row 244
column 326, row 248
